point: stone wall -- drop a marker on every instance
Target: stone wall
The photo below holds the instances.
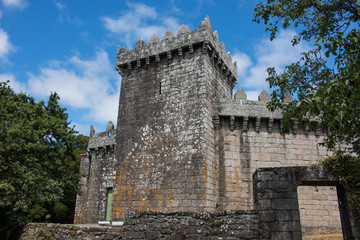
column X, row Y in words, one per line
column 96, row 168
column 160, row 163
column 242, row 152
column 82, row 197
column 165, row 137
column 319, row 209
column 276, row 199
column 147, row 225
column 248, row 138
column 183, row 143
column 276, row 215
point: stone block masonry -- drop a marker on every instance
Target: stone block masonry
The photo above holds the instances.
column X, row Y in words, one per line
column 249, row 138
column 151, row 225
column 165, row 157
column 276, row 200
column 318, row 210
column 276, row 215
column 96, row 168
column 184, row 142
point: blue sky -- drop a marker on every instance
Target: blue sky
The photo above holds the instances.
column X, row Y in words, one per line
column 70, row 47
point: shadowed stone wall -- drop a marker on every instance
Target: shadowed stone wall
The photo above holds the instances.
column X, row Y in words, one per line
column 276, row 199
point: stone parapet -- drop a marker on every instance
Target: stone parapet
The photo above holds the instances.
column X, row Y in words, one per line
column 253, row 114
column 102, row 139
column 249, row 108
column 185, row 40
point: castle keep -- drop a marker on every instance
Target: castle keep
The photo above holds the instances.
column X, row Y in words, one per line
column 185, row 143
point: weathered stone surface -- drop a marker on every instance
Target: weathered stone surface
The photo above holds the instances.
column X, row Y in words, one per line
column 184, row 39
column 96, row 168
column 151, row 225
column 182, row 142
column 264, row 96
column 165, row 137
column 240, row 94
column 110, row 127
column 288, row 98
column 154, row 41
column 281, row 217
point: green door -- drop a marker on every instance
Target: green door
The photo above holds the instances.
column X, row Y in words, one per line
column 108, row 204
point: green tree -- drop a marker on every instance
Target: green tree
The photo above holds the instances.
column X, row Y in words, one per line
column 39, row 171
column 325, row 82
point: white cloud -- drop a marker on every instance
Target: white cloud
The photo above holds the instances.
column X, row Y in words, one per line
column 64, row 15
column 141, row 21
column 5, row 46
column 243, row 62
column 15, row 85
column 84, row 128
column 91, row 85
column 6, row 76
column 14, row 3
column 60, row 5
column 277, row 53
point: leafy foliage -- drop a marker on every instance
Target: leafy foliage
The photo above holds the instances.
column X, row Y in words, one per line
column 325, row 82
column 39, row 171
column 347, row 168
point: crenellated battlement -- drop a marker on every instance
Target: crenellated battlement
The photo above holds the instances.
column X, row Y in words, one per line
column 102, row 139
column 184, row 41
column 240, row 106
column 242, row 114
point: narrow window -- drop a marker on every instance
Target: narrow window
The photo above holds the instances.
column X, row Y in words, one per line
column 108, row 204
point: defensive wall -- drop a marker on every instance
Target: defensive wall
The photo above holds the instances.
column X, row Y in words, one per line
column 96, row 169
column 276, row 215
column 186, row 143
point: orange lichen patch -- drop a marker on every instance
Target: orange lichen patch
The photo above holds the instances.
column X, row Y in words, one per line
column 129, row 193
column 145, row 204
column 79, row 219
column 171, row 197
column 158, row 193
column 237, row 175
column 119, row 213
column 205, row 172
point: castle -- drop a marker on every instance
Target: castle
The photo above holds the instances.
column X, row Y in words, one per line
column 185, row 143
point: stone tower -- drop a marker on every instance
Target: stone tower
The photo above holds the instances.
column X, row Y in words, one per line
column 165, row 140
column 185, row 143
